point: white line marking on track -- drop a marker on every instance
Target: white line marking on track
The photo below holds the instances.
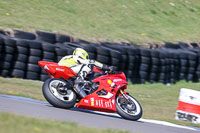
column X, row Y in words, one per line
column 102, row 113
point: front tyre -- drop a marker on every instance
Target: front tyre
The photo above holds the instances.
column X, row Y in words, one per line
column 129, row 109
column 56, row 93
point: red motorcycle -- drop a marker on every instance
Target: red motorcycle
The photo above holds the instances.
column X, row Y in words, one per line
column 103, row 93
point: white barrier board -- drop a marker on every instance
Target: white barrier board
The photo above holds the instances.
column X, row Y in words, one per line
column 181, row 115
column 190, row 96
column 189, row 106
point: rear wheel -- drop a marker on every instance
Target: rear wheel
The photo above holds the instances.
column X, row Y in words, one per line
column 128, row 108
column 58, row 93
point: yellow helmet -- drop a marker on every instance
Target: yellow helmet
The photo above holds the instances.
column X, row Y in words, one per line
column 80, row 55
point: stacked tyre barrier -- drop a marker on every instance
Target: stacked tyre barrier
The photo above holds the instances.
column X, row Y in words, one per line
column 20, row 52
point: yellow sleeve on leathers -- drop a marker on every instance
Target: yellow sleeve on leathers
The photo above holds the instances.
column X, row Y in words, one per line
column 67, row 61
column 96, row 63
column 70, row 62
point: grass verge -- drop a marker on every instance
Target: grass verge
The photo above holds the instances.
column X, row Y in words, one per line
column 11, row 123
column 159, row 101
column 137, row 21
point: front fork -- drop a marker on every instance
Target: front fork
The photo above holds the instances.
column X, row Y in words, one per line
column 125, row 97
column 121, row 92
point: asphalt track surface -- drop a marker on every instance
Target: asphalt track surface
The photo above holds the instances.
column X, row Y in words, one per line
column 30, row 107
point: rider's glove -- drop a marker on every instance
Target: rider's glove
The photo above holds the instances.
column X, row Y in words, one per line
column 111, row 68
column 108, row 68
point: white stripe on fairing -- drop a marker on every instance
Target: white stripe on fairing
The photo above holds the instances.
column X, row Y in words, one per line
column 102, row 113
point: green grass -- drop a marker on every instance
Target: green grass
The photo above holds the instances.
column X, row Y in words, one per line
column 11, row 123
column 20, row 87
column 159, row 101
column 137, row 21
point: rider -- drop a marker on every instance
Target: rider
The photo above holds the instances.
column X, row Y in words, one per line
column 80, row 63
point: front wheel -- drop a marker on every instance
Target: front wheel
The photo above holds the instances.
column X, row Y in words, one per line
column 128, row 108
column 56, row 93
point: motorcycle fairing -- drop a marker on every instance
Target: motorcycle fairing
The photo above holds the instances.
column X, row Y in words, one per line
column 105, row 103
column 56, row 71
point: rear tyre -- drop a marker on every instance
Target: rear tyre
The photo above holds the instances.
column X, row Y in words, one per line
column 56, row 97
column 131, row 110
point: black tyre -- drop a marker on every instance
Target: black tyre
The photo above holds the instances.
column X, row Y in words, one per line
column 192, row 63
column 130, row 73
column 103, row 59
column 144, row 67
column 63, row 38
column 21, row 58
column 153, row 76
column 190, row 77
column 49, row 60
column 122, row 66
column 24, row 35
column 124, row 58
column 59, row 58
column 114, row 61
column 183, row 69
column 182, row 76
column 72, row 45
column 32, row 75
column 46, row 36
column 35, row 52
column 49, row 55
column 145, row 60
column 22, row 50
column 5, row 65
column 161, row 76
column 115, row 54
column 103, row 51
column 1, row 48
column 55, row 96
column 162, row 62
column 155, row 61
column 131, row 66
column 18, row 73
column 9, row 49
column 184, row 62
column 8, row 57
column 154, row 68
column 92, row 55
column 35, row 44
column 89, row 47
column 5, row 73
column 191, row 70
column 131, row 58
column 163, row 68
column 171, row 45
column 145, row 52
column 44, row 77
column 48, row 47
column 1, row 39
column 34, row 59
column 143, row 74
column 10, row 42
column 130, row 110
column 20, row 65
column 33, row 68
column 43, row 71
column 22, row 43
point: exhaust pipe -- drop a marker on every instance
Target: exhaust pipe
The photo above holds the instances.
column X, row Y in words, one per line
column 79, row 90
